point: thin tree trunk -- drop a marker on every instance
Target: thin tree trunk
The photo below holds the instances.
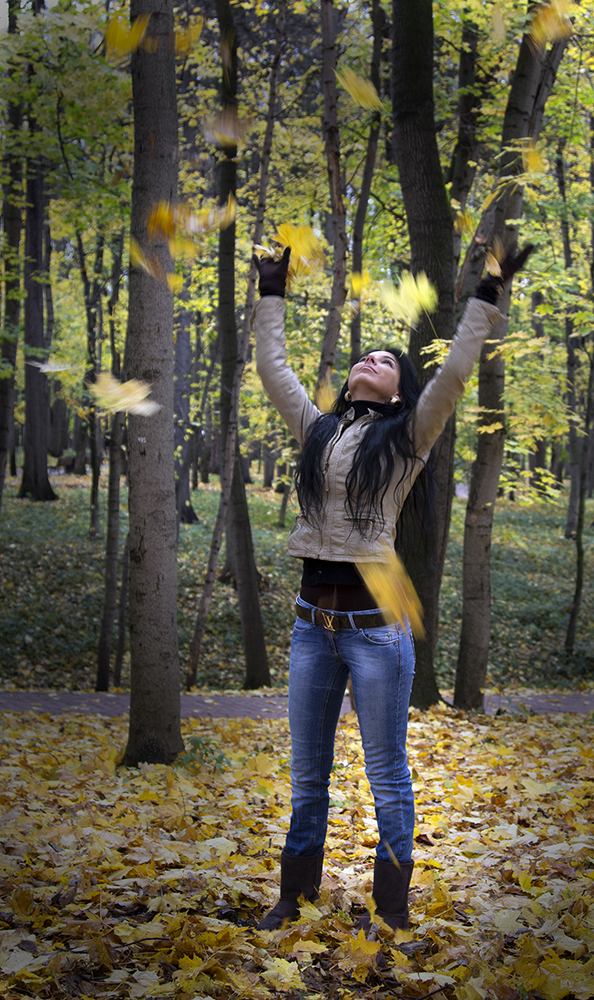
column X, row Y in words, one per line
column 154, row 730
column 581, row 512
column 232, row 487
column 183, row 436
column 533, row 78
column 11, row 224
column 92, row 288
column 35, row 483
column 339, row 236
column 111, row 554
column 378, row 20
column 431, row 241
column 122, row 603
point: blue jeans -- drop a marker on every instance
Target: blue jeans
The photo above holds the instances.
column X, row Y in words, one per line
column 381, row 664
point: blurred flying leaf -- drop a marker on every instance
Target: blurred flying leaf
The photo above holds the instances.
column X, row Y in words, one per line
column 391, row 587
column 492, row 265
column 145, row 262
column 186, row 38
column 226, row 129
column 551, row 23
column 531, row 158
column 497, row 25
column 175, row 282
column 49, row 366
column 307, row 255
column 128, row 397
column 325, row 396
column 165, row 219
column 362, row 91
column 412, row 297
column 122, row 38
column 161, row 221
column 463, row 222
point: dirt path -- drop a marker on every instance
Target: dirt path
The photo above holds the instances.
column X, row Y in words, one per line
column 258, row 705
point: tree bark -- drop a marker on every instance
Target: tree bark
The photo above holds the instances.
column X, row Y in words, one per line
column 92, row 288
column 111, row 554
column 331, row 136
column 11, row 225
column 154, row 730
column 378, row 20
column 431, row 241
column 183, row 436
column 532, row 81
column 35, row 483
column 581, row 511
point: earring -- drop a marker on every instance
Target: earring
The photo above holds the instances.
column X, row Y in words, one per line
column 395, row 399
column 348, row 397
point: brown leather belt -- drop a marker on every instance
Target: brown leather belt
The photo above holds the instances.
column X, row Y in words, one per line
column 333, row 622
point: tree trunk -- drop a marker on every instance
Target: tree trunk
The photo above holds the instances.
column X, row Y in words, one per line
column 122, row 604
column 532, row 81
column 183, row 435
column 111, row 554
column 35, row 483
column 154, row 731
column 431, row 241
column 579, row 532
column 339, row 237
column 11, row 225
column 80, row 446
column 378, row 21
column 92, row 288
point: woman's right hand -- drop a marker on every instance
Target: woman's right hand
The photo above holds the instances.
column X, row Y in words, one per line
column 273, row 274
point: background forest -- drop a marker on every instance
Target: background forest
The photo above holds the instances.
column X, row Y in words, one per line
column 137, row 176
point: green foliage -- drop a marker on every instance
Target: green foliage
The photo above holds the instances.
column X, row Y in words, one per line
column 51, row 588
column 202, row 752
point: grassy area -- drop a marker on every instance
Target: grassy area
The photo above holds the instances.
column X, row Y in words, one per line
column 52, row 590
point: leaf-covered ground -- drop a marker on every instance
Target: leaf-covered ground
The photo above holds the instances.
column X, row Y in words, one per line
column 138, row 883
column 51, row 592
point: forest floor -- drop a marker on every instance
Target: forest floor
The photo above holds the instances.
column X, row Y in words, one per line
column 51, row 594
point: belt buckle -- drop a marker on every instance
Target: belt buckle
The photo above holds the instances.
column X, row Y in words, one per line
column 328, row 621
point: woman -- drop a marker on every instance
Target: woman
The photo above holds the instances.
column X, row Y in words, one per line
column 358, row 466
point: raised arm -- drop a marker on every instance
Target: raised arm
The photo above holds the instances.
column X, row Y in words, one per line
column 439, row 397
column 286, row 393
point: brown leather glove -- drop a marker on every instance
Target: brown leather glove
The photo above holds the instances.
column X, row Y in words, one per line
column 492, row 286
column 273, row 274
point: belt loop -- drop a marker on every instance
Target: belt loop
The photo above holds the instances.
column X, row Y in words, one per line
column 352, row 623
column 312, row 615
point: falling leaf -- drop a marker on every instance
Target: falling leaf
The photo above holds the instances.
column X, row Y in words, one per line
column 392, row 588
column 413, row 297
column 325, row 396
column 114, row 396
column 161, row 221
column 497, row 25
column 551, row 22
column 122, row 38
column 532, row 158
column 362, row 91
column 175, row 283
column 49, row 367
column 145, row 262
column 227, row 129
column 463, row 222
column 307, row 256
column 492, row 265
column 187, row 38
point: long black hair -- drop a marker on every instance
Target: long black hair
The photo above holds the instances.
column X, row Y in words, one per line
column 371, row 473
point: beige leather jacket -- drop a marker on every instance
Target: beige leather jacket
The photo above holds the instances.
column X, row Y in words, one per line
column 335, row 537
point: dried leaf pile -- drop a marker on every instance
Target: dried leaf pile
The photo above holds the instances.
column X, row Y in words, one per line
column 140, row 883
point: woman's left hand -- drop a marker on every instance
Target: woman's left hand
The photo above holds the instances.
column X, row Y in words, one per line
column 273, row 274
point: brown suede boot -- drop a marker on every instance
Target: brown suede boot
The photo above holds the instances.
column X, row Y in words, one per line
column 300, row 876
column 390, row 892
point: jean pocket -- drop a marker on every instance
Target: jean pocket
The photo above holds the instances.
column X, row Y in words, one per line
column 383, row 636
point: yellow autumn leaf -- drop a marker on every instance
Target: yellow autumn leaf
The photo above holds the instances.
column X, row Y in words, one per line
column 492, row 265
column 325, row 396
column 392, row 589
column 161, row 221
column 186, row 38
column 283, row 975
column 362, row 91
column 463, row 222
column 307, row 255
column 122, row 38
column 532, row 158
column 145, row 262
column 217, row 217
column 227, row 129
column 175, row 283
column 551, row 22
column 114, row 396
column 412, row 297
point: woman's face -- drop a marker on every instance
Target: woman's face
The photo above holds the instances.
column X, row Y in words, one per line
column 375, row 377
